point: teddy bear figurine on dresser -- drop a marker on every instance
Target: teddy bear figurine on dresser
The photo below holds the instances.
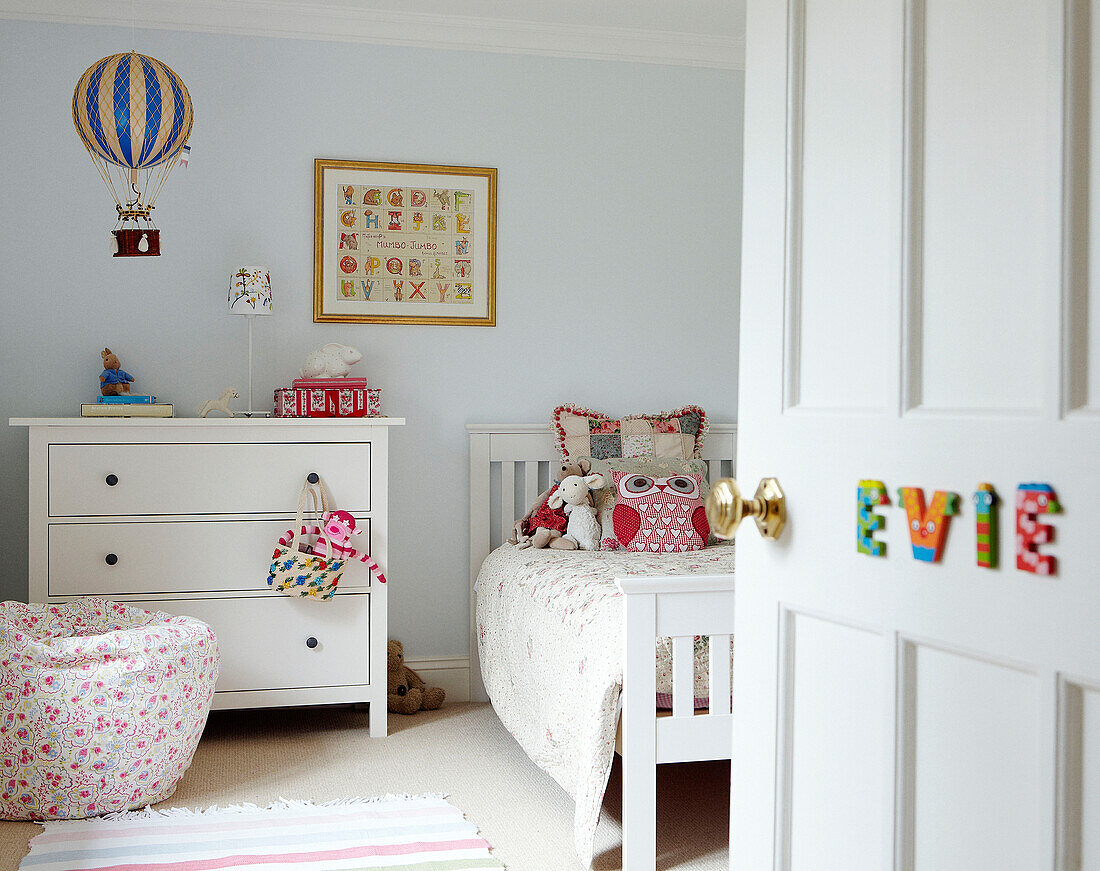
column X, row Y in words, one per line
column 113, row 381
column 406, row 691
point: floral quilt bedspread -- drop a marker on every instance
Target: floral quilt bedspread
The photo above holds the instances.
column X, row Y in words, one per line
column 549, row 634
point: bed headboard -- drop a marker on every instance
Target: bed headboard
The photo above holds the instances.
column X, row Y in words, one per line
column 509, row 466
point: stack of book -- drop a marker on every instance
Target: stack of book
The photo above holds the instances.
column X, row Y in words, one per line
column 126, row 405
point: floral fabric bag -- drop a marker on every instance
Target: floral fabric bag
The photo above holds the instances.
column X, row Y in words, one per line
column 295, row 569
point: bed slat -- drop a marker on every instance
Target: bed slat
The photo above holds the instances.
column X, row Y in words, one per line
column 716, row 469
column 531, row 483
column 683, row 676
column 682, row 739
column 507, row 498
column 639, row 733
column 720, row 674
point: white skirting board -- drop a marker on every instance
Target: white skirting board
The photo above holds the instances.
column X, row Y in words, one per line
column 452, row 673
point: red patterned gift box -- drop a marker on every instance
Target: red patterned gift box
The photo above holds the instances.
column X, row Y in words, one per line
column 328, row 402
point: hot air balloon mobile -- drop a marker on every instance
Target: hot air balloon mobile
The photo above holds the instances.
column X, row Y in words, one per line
column 134, row 116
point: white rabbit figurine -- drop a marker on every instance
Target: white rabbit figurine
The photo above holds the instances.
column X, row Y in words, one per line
column 331, row 361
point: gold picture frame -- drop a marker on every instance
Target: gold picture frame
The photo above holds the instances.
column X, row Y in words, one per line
column 404, row 243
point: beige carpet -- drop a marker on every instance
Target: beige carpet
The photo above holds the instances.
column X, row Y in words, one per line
column 462, row 750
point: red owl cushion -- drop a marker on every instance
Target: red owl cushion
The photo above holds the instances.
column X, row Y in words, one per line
column 605, row 498
column 659, row 515
column 581, row 432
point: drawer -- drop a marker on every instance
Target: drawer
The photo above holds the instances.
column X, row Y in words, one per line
column 172, row 557
column 262, row 640
column 202, row 478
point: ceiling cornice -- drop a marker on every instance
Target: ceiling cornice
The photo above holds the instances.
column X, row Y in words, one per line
column 332, row 22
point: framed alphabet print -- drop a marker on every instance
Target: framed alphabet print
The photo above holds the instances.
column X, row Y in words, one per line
column 404, row 243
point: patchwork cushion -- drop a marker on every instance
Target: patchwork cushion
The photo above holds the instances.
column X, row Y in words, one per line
column 604, row 499
column 101, row 706
column 659, row 514
column 581, row 432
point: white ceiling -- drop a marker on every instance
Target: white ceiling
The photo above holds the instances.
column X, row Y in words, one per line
column 708, row 33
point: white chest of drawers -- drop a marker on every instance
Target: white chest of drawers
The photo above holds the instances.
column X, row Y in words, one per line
column 182, row 514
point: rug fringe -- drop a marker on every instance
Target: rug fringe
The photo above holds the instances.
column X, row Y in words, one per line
column 283, row 804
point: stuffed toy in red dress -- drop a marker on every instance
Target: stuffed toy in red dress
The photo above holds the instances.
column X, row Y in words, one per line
column 543, row 526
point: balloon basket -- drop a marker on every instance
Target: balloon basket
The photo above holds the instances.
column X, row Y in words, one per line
column 128, row 243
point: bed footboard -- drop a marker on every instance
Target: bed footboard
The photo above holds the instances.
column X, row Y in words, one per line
column 510, row 464
column 679, row 607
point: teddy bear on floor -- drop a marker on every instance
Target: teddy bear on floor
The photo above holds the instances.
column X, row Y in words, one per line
column 406, row 691
column 543, row 526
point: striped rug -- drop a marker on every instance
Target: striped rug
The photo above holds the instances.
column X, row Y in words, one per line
column 423, row 833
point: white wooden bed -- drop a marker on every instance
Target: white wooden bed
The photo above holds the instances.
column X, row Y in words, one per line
column 509, row 466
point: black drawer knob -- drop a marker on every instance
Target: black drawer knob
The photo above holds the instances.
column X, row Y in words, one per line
column 111, row 559
column 111, row 480
column 311, row 642
column 313, row 477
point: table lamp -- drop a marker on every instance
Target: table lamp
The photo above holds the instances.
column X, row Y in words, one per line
column 250, row 295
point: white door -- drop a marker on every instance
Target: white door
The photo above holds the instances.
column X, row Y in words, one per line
column 918, row 309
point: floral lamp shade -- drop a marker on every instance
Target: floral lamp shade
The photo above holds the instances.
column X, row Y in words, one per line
column 250, row 292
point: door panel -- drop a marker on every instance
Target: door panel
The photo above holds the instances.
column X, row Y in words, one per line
column 849, row 195
column 991, row 201
column 1080, row 798
column 1084, row 320
column 916, row 308
column 975, row 758
column 835, row 720
column 1090, row 777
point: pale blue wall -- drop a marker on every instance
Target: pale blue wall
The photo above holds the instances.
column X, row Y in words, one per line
column 618, row 254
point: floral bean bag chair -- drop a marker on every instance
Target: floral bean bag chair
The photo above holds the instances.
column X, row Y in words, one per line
column 101, row 706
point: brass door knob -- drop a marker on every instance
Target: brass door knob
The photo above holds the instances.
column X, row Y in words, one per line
column 726, row 508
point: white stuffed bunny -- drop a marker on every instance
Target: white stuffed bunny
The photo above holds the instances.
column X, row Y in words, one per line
column 331, row 361
column 583, row 527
